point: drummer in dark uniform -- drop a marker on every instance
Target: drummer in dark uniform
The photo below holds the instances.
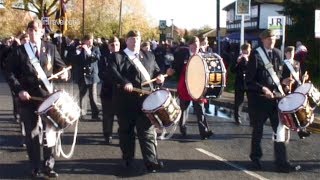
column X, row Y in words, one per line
column 290, row 82
column 129, row 69
column 181, row 58
column 27, row 65
column 264, row 72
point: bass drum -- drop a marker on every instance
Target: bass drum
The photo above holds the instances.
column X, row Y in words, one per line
column 217, row 75
column 196, row 77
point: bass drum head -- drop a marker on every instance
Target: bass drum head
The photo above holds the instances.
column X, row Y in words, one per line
column 48, row 102
column 196, row 77
column 291, row 102
column 155, row 100
column 304, row 88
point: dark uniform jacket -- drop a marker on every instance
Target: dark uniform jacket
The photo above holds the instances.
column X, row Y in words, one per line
column 23, row 76
column 123, row 72
column 105, row 76
column 240, row 69
column 181, row 57
column 88, row 66
column 259, row 77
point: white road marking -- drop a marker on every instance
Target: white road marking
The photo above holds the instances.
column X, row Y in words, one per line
column 231, row 164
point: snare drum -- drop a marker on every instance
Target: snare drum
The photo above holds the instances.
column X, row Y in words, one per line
column 311, row 92
column 314, row 127
column 295, row 112
column 205, row 76
column 59, row 110
column 161, row 109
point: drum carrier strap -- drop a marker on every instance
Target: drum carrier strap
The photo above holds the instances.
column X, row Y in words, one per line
column 292, row 71
column 36, row 64
column 139, row 66
column 269, row 68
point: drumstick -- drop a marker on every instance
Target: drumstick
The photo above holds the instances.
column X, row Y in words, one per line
column 290, row 84
column 152, row 80
column 36, row 98
column 137, row 90
column 141, row 91
column 303, row 78
column 170, row 89
column 60, row 72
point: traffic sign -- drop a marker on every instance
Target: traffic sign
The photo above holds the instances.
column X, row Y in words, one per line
column 162, row 24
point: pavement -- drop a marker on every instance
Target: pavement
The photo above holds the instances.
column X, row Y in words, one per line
column 223, row 156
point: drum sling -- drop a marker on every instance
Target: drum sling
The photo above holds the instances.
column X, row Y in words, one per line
column 292, row 71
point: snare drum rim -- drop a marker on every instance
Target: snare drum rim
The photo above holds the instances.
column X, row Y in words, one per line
column 50, row 107
column 206, row 78
column 294, row 110
column 309, row 87
column 168, row 97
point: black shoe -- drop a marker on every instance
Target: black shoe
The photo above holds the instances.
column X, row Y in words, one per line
column 96, row 118
column 206, row 135
column 23, row 142
column 183, row 131
column 207, row 111
column 238, row 121
column 154, row 167
column 108, row 139
column 35, row 173
column 288, row 168
column 129, row 163
column 50, row 173
column 256, row 164
column 82, row 117
column 303, row 134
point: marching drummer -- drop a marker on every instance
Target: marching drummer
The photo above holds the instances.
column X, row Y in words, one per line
column 129, row 69
column 29, row 65
column 264, row 73
column 181, row 58
column 292, row 78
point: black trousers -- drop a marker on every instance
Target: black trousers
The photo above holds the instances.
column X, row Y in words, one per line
column 238, row 102
column 92, row 90
column 30, row 119
column 265, row 110
column 107, row 115
column 128, row 121
column 199, row 109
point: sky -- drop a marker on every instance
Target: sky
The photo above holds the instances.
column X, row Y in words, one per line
column 187, row 14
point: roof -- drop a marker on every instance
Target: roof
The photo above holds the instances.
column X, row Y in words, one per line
column 213, row 32
column 253, row 2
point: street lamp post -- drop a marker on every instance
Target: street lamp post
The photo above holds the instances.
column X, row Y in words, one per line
column 218, row 27
column 83, row 11
column 120, row 19
column 172, row 29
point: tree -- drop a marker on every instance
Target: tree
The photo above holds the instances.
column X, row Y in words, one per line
column 302, row 29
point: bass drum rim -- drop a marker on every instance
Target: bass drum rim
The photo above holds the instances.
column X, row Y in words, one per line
column 194, row 60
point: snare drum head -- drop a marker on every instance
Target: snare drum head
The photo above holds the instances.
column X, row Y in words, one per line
column 304, row 88
column 196, row 77
column 291, row 102
column 155, row 100
column 48, row 102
